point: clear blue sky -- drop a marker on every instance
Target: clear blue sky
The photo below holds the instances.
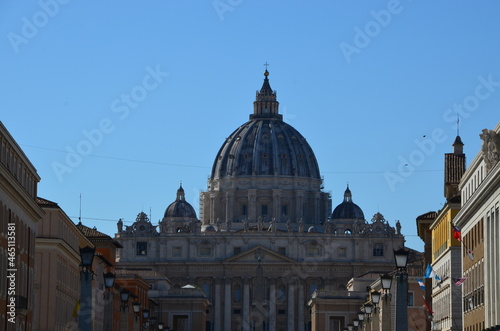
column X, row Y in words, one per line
column 122, row 102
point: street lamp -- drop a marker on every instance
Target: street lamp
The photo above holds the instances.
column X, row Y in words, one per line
column 401, row 259
column 124, row 295
column 160, row 326
column 87, row 257
column 136, row 306
column 375, row 297
column 109, row 283
column 153, row 322
column 350, row 327
column 355, row 323
column 145, row 314
column 386, row 281
column 361, row 316
column 368, row 308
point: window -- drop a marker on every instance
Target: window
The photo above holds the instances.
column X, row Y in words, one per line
column 411, row 299
column 281, row 294
column 341, row 252
column 314, row 250
column 282, row 250
column 237, row 293
column 205, row 251
column 378, row 249
column 177, row 251
column 284, row 210
column 236, row 250
column 207, row 289
column 244, row 210
column 263, row 210
column 313, row 287
column 142, row 248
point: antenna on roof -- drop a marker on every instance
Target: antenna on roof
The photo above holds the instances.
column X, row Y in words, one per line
column 150, row 213
column 458, row 125
column 80, row 215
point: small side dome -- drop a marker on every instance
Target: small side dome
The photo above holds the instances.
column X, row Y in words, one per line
column 180, row 208
column 314, row 229
column 210, row 228
column 347, row 209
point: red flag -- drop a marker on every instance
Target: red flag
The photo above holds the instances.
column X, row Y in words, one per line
column 428, row 308
column 457, row 233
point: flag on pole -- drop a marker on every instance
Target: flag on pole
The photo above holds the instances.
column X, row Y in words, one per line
column 459, row 281
column 430, row 273
column 427, row 306
column 421, row 283
column 457, row 234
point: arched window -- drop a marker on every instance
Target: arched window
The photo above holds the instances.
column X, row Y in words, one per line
column 237, row 293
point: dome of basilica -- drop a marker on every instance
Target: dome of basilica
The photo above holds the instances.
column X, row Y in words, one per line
column 347, row 209
column 265, row 145
column 180, row 208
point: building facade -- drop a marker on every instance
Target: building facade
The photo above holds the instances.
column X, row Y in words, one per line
column 19, row 216
column 57, row 269
column 446, row 251
column 479, row 223
column 266, row 238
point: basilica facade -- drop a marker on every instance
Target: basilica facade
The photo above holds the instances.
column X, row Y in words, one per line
column 265, row 239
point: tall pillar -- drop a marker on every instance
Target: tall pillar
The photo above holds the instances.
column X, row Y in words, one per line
column 212, row 208
column 291, row 306
column 227, row 305
column 386, row 323
column 246, row 306
column 218, row 306
column 402, row 302
column 272, row 305
column 300, row 307
column 85, row 319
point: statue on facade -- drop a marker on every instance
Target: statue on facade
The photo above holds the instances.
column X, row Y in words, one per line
column 246, row 226
column 219, row 224
column 289, row 225
column 398, row 227
column 259, row 224
column 272, row 225
column 490, row 148
column 120, row 226
column 301, row 225
column 228, row 225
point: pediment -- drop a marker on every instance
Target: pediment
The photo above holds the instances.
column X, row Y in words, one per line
column 252, row 256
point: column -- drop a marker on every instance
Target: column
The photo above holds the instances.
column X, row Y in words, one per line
column 218, row 306
column 212, row 208
column 227, row 305
column 300, row 310
column 246, row 306
column 276, row 205
column 291, row 306
column 252, row 205
column 272, row 305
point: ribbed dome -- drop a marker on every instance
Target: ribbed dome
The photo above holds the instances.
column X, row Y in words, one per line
column 180, row 208
column 265, row 145
column 347, row 209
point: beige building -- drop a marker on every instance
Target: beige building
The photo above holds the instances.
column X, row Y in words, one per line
column 266, row 239
column 479, row 221
column 19, row 215
column 57, row 269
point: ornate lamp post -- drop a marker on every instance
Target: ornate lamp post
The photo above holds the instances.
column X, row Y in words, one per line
column 375, row 299
column 160, row 326
column 109, row 283
column 124, row 295
column 136, row 306
column 85, row 319
column 401, row 259
column 386, row 281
